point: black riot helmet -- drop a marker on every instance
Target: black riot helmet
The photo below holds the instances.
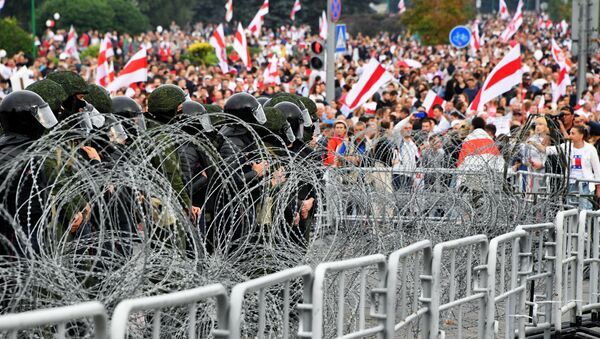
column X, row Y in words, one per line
column 195, row 110
column 262, row 101
column 293, row 115
column 26, row 113
column 126, row 107
column 245, row 107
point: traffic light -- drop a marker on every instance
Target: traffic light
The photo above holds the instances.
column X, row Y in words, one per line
column 317, row 58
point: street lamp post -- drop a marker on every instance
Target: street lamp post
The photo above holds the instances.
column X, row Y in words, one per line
column 33, row 48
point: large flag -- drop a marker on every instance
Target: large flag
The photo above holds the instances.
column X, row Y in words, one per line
column 432, row 99
column 514, row 24
column 560, row 87
column 136, row 70
column 71, row 47
column 402, row 7
column 297, row 7
column 240, row 45
column 503, row 11
column 104, row 76
column 475, row 39
column 323, row 26
column 501, row 79
column 259, row 19
column 559, row 56
column 218, row 42
column 229, row 10
column 373, row 77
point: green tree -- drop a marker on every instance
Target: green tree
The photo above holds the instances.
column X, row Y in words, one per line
column 13, row 38
column 433, row 20
column 128, row 17
column 82, row 14
column 161, row 12
column 560, row 9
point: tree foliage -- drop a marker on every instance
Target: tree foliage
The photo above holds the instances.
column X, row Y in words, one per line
column 433, row 20
column 103, row 15
column 161, row 12
column 13, row 38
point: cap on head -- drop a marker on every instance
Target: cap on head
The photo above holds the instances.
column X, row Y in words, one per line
column 71, row 82
column 164, row 101
column 50, row 91
column 99, row 98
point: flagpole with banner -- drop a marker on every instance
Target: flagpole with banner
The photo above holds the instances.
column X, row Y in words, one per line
column 33, row 49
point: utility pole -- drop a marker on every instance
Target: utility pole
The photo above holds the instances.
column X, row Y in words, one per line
column 330, row 56
column 582, row 45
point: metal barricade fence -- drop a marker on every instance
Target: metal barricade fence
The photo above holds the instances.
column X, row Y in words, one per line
column 528, row 279
column 475, row 282
column 341, row 267
column 59, row 317
column 590, row 223
column 285, row 278
column 401, row 264
column 506, row 288
column 189, row 298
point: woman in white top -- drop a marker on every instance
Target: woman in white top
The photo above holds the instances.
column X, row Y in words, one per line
column 583, row 163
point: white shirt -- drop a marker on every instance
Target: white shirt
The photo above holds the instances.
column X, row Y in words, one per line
column 442, row 126
column 407, row 155
column 584, row 162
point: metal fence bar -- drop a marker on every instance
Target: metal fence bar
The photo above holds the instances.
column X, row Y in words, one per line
column 480, row 291
column 261, row 285
column 517, row 286
column 58, row 316
column 120, row 318
column 567, row 246
column 318, row 292
column 399, row 259
column 590, row 222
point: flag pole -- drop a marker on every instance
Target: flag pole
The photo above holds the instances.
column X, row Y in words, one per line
column 330, row 56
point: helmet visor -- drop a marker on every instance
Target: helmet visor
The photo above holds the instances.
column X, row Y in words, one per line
column 44, row 115
column 306, row 118
column 289, row 134
column 96, row 118
column 205, row 122
column 117, row 134
column 317, row 129
column 259, row 115
column 300, row 132
column 140, row 122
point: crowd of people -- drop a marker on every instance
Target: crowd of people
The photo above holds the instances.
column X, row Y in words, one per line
column 528, row 128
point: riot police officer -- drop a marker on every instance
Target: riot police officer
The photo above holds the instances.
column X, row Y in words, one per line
column 24, row 117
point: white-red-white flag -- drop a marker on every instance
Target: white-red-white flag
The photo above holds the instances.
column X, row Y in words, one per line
column 503, row 11
column 259, row 19
column 104, row 74
column 432, row 99
column 501, row 79
column 541, row 103
column 71, row 47
column 409, row 63
column 559, row 56
column 402, row 7
column 217, row 40
column 136, row 70
column 323, row 26
column 475, row 39
column 372, row 78
column 297, row 7
column 229, row 10
column 240, row 45
column 271, row 74
column 560, row 87
column 514, row 24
